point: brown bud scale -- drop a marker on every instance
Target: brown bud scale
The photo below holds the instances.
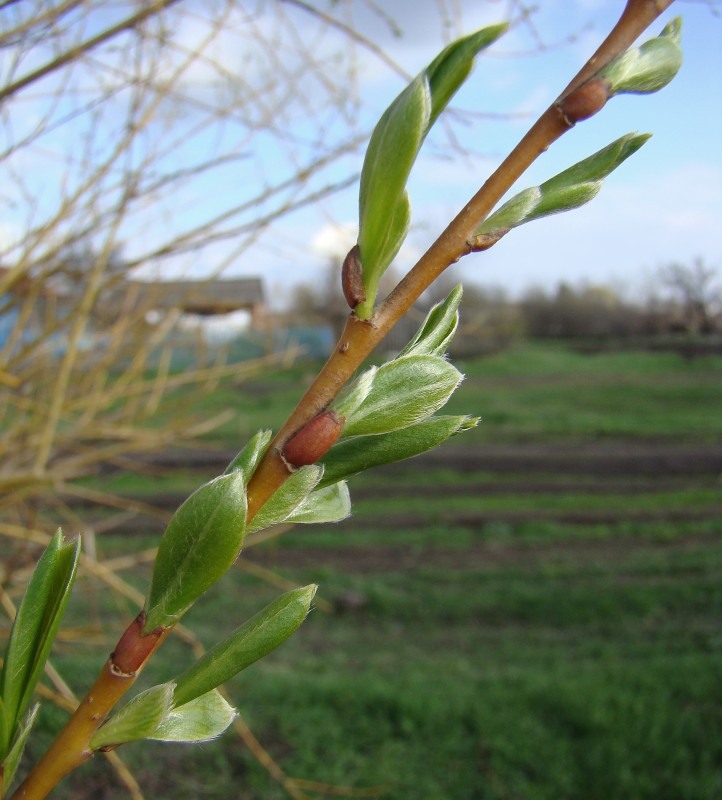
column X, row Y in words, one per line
column 585, row 101
column 314, row 440
column 486, row 240
column 352, row 278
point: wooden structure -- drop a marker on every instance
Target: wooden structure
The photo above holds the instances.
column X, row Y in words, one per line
column 205, row 297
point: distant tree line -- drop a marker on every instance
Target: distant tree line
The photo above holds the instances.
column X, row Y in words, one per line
column 682, row 301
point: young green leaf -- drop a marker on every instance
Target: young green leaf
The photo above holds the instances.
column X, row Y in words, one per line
column 648, row 68
column 599, row 165
column 152, row 714
column 569, row 189
column 448, row 71
column 253, row 640
column 329, row 504
column 202, row 540
column 384, row 210
column 138, row 719
column 34, row 630
column 512, row 213
column 434, row 336
column 286, row 499
column 9, row 765
column 199, row 720
column 564, row 198
column 355, row 393
column 248, row 459
column 404, row 391
column 359, row 453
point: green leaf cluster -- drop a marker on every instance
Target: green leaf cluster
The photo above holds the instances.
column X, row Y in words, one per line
column 31, row 638
column 300, row 499
column 384, row 208
column 390, row 411
column 569, row 189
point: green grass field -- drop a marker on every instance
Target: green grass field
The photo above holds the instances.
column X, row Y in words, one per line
column 533, row 613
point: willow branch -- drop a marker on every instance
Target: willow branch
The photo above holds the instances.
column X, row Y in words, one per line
column 360, row 338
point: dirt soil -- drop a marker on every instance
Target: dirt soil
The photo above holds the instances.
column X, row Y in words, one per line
column 523, row 469
column 476, row 557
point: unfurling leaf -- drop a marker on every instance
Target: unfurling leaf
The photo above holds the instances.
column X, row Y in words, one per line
column 435, row 334
column 648, row 68
column 286, row 499
column 448, row 71
column 384, row 210
column 329, row 504
column 138, row 719
column 34, row 631
column 512, row 213
column 404, row 391
column 199, row 720
column 154, row 714
column 359, row 453
column 253, row 640
column 202, row 540
column 355, row 393
column 569, row 189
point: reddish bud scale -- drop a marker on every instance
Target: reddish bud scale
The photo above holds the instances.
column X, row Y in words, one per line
column 585, row 101
column 134, row 647
column 314, row 440
column 352, row 278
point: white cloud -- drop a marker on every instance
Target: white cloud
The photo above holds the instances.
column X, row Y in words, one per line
column 334, row 240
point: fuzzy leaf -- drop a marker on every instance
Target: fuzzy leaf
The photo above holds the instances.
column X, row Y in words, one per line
column 565, row 198
column 404, row 391
column 364, row 452
column 379, row 241
column 199, row 720
column 330, row 504
column 384, row 209
column 448, row 71
column 599, row 165
column 202, row 540
column 513, row 212
column 287, row 498
column 253, row 640
column 569, row 189
column 650, row 67
column 352, row 397
column 12, row 760
column 34, row 630
column 138, row 719
column 438, row 329
column 248, row 459
column 152, row 714
column 383, row 204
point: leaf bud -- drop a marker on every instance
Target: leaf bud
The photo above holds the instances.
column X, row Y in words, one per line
column 314, row 439
column 352, row 278
column 585, row 101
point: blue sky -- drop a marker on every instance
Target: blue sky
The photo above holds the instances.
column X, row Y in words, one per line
column 664, row 204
